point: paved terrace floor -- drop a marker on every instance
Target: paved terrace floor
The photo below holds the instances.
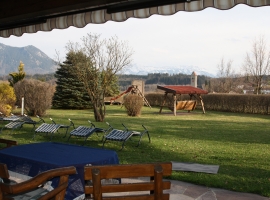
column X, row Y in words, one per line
column 187, row 191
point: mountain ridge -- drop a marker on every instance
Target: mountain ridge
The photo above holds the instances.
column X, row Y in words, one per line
column 35, row 61
column 144, row 70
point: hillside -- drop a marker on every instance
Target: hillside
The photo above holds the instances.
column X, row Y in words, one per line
column 35, row 61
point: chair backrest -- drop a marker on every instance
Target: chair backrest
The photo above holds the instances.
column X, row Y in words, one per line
column 30, row 120
column 8, row 191
column 71, row 123
column 40, row 119
column 111, row 128
column 8, row 143
column 4, row 174
column 92, row 125
column 4, row 171
column 94, row 175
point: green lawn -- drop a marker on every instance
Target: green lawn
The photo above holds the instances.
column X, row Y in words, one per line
column 238, row 143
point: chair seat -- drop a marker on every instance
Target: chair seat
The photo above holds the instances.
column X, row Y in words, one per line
column 52, row 128
column 124, row 135
column 83, row 131
column 119, row 135
column 18, row 122
column 47, row 128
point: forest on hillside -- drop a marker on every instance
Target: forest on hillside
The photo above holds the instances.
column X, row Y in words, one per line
column 237, row 84
column 126, row 80
column 161, row 79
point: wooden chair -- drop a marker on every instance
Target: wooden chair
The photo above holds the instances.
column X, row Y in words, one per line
column 151, row 189
column 4, row 175
column 31, row 189
column 8, row 143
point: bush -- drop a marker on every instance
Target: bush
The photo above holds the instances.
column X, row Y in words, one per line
column 133, row 105
column 37, row 96
column 7, row 98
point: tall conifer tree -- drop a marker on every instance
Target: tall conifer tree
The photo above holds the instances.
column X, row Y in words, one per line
column 70, row 92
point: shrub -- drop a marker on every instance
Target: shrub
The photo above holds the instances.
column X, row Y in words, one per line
column 37, row 96
column 133, row 105
column 7, row 98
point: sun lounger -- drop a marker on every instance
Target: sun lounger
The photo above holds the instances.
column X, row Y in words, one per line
column 123, row 135
column 2, row 116
column 117, row 135
column 10, row 118
column 140, row 134
column 19, row 122
column 83, row 131
column 52, row 128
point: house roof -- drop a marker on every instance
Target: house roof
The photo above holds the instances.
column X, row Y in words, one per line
column 181, row 89
column 30, row 16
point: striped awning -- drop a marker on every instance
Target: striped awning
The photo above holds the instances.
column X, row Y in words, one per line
column 101, row 16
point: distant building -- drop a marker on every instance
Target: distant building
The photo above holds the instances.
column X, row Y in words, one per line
column 193, row 79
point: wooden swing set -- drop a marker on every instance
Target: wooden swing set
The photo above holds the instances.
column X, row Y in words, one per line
column 133, row 89
column 188, row 105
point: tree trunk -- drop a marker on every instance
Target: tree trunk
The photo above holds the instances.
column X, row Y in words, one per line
column 99, row 110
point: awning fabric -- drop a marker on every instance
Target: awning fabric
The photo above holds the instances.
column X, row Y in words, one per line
column 101, row 16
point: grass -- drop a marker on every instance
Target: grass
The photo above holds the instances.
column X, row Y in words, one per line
column 238, row 143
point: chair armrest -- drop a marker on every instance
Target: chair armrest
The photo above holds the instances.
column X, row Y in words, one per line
column 37, row 180
column 9, row 143
column 40, row 119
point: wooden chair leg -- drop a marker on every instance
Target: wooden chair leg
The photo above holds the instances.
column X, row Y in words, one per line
column 158, row 182
column 97, row 193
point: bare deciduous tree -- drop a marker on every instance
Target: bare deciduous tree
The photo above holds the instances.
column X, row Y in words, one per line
column 225, row 73
column 227, row 81
column 96, row 62
column 257, row 63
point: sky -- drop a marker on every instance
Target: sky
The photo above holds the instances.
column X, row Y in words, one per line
column 198, row 39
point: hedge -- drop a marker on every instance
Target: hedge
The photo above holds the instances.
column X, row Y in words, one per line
column 243, row 103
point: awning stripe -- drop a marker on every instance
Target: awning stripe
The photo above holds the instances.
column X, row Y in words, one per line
column 101, row 16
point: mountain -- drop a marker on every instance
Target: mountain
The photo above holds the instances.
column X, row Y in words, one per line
column 144, row 70
column 35, row 61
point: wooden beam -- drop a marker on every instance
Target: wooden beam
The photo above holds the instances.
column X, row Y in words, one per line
column 202, row 103
column 174, row 104
column 164, row 101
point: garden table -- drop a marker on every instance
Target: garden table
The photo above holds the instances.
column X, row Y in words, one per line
column 31, row 159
